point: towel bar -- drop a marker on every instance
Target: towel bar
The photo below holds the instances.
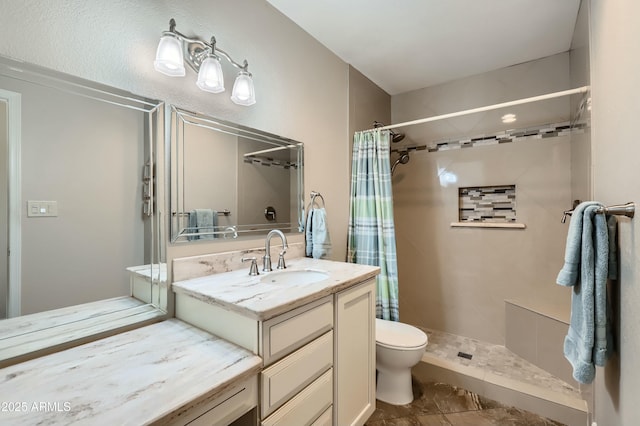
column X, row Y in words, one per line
column 225, row 212
column 627, row 209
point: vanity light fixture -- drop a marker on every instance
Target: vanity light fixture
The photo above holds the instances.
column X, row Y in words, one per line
column 204, row 58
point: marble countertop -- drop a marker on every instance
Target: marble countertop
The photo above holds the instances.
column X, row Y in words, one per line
column 141, row 376
column 157, row 271
column 29, row 335
column 237, row 291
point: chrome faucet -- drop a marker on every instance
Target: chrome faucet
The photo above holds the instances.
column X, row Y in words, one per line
column 266, row 260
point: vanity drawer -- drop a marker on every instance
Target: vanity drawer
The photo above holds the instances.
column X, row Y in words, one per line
column 307, row 406
column 285, row 378
column 287, row 332
column 224, row 409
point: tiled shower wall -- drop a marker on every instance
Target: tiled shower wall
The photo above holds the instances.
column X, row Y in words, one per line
column 456, row 279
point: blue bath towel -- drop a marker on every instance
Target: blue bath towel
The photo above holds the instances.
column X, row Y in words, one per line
column 587, row 342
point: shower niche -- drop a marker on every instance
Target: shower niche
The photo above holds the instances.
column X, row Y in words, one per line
column 487, row 207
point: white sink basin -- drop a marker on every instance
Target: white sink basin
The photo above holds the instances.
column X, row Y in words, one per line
column 297, row 277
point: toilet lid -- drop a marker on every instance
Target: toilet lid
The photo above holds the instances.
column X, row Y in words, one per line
column 397, row 334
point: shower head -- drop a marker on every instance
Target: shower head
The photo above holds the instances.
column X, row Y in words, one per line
column 395, row 137
column 403, row 159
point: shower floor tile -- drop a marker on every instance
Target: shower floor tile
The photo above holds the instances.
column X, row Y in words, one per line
column 497, row 364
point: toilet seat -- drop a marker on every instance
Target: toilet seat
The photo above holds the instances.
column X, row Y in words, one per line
column 399, row 336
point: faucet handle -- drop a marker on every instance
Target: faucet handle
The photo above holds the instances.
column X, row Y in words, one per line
column 253, row 269
column 281, row 264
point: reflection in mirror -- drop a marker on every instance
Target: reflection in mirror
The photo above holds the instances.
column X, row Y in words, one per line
column 230, row 181
column 77, row 173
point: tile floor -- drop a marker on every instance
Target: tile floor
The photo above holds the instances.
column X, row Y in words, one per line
column 445, row 405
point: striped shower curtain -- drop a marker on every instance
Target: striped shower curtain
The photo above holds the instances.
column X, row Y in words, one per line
column 371, row 239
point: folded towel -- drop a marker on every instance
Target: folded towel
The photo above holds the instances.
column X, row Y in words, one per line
column 568, row 275
column 318, row 241
column 202, row 221
column 586, row 342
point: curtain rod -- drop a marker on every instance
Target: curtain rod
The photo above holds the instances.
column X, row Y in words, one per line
column 582, row 89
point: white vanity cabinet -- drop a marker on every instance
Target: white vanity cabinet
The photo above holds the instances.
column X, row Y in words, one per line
column 296, row 386
column 297, row 348
column 319, row 358
column 355, row 354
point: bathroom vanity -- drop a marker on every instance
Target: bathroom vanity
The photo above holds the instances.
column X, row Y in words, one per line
column 287, row 347
column 312, row 324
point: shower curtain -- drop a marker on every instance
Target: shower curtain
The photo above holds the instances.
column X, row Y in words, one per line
column 371, row 238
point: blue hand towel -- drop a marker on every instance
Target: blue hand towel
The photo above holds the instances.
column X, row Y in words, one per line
column 202, row 221
column 320, row 234
column 586, row 341
column 308, row 234
column 318, row 241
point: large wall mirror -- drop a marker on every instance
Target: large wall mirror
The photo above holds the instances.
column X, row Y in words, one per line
column 81, row 198
column 230, row 181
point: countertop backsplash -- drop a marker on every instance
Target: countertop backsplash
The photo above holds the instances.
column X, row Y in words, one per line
column 186, row 268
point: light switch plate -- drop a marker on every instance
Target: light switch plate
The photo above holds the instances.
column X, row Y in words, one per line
column 42, row 208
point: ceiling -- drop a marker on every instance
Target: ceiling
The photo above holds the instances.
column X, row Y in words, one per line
column 404, row 45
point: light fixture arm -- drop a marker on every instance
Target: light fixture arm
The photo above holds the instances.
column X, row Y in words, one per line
column 197, row 50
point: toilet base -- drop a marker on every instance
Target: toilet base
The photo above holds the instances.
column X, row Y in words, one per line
column 394, row 386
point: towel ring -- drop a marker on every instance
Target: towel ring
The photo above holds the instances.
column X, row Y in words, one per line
column 315, row 194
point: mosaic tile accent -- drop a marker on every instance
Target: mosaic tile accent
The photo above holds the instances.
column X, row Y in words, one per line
column 495, row 204
column 270, row 162
column 508, row 136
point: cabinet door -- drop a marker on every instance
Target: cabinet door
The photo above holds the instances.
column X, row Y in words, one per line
column 355, row 355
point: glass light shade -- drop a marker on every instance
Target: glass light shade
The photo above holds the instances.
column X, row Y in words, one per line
column 243, row 92
column 169, row 59
column 210, row 78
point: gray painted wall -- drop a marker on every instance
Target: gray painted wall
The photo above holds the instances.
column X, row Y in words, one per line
column 615, row 67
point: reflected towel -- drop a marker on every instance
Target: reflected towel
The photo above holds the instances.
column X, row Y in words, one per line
column 317, row 234
column 203, row 221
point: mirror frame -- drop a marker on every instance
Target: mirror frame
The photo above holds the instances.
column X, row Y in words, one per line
column 37, row 334
column 178, row 117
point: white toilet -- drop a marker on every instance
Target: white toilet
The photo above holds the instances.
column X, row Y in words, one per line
column 398, row 348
